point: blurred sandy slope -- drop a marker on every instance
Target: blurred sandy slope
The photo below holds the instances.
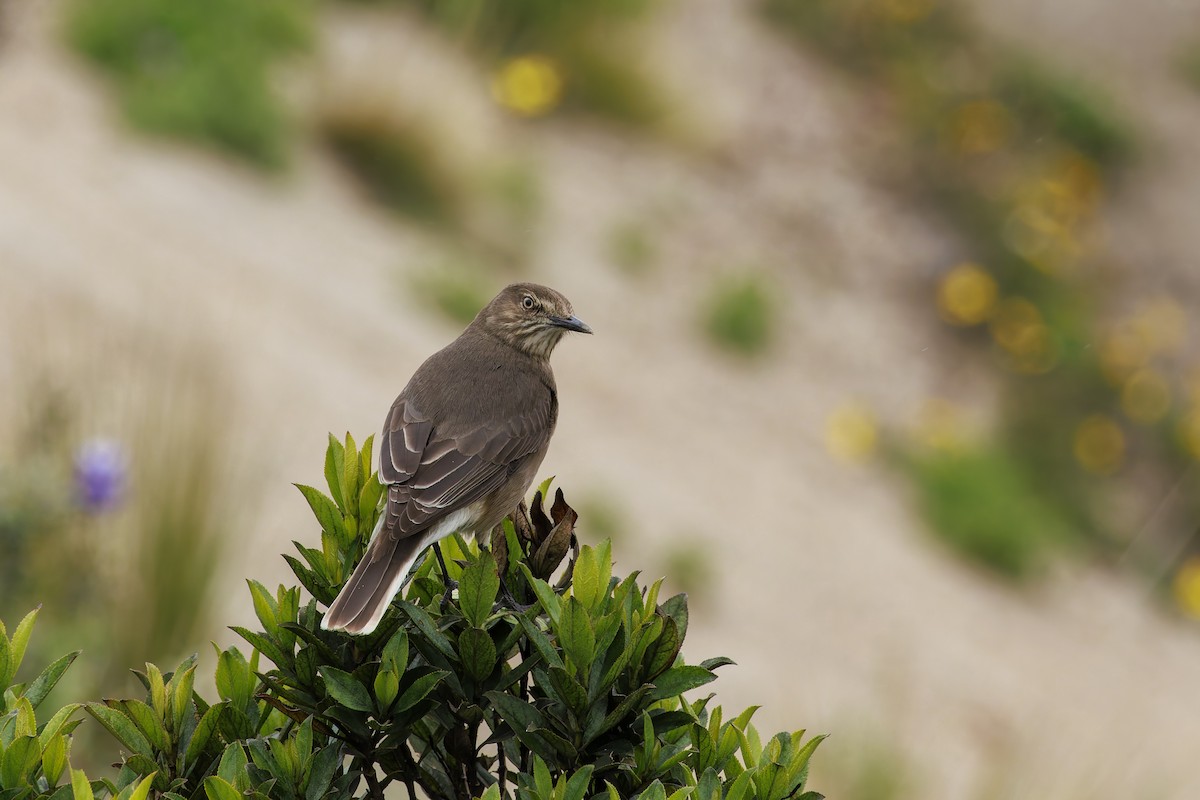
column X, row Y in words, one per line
column 840, row 613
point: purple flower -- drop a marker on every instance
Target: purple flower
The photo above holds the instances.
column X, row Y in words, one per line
column 101, row 470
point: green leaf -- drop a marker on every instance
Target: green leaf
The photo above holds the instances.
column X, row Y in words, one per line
column 327, row 514
column 368, row 502
column 20, row 640
column 492, row 792
column 147, row 722
column 662, row 653
column 477, row 652
column 428, row 627
column 80, row 786
column 324, row 766
column 346, row 689
column 158, row 690
column 235, row 678
column 40, row 686
column 217, row 788
column 233, row 763
column 577, row 786
column 7, row 670
column 418, row 689
column 183, row 683
column 395, row 652
column 203, row 734
column 20, row 759
column 121, row 727
column 141, row 791
column 575, row 635
column 678, row 680
column 477, row 589
column 387, row 686
column 654, row 791
column 335, row 455
column 352, row 473
column 545, row 595
column 264, row 645
column 540, row 641
column 570, row 692
column 677, row 609
column 52, row 728
column 265, row 607
column 54, row 759
column 585, row 580
column 719, row 661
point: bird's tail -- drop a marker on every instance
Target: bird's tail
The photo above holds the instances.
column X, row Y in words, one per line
column 379, row 575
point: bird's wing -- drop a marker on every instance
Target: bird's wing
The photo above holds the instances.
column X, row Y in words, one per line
column 432, row 473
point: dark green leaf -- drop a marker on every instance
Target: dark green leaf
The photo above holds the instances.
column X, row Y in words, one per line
column 203, row 733
column 661, row 654
column 719, row 661
column 477, row 652
column 324, row 766
column 346, row 689
column 40, row 686
column 678, row 680
column 572, row 695
column 477, row 589
column 418, row 689
column 121, row 727
column 428, row 627
column 266, row 646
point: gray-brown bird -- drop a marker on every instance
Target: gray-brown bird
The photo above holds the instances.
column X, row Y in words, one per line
column 462, row 443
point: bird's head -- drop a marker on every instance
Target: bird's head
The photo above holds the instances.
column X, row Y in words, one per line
column 530, row 317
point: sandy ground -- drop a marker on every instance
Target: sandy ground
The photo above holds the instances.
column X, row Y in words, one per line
column 840, row 613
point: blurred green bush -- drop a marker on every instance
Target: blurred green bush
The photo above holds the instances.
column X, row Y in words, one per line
column 522, row 685
column 739, row 315
column 198, row 70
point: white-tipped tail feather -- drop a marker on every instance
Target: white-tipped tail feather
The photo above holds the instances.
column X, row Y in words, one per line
column 382, row 572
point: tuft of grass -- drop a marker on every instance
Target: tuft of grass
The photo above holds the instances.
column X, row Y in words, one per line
column 456, row 290
column 1049, row 103
column 395, row 165
column 740, row 315
column 199, row 71
column 982, row 503
column 689, row 563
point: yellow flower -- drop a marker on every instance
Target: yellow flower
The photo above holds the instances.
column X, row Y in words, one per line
column 966, row 295
column 528, row 85
column 1186, row 587
column 1146, row 397
column 1099, row 444
column 851, row 433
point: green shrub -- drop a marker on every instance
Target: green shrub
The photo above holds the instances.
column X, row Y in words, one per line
column 982, row 504
column 740, row 315
column 522, row 685
column 199, row 70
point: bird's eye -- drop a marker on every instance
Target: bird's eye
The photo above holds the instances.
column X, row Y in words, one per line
column 527, row 302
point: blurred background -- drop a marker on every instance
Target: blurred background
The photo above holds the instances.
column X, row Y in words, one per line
column 896, row 372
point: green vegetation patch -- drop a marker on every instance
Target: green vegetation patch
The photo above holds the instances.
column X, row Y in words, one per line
column 740, row 315
column 198, row 70
column 982, row 504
